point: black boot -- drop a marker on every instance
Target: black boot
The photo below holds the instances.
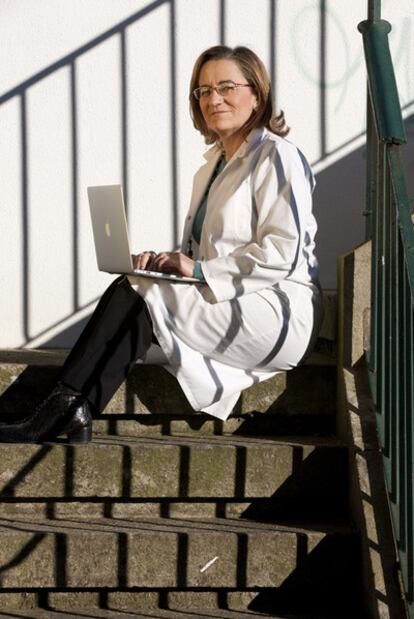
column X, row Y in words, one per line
column 64, row 411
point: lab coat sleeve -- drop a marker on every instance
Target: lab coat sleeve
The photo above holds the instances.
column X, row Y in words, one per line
column 282, row 198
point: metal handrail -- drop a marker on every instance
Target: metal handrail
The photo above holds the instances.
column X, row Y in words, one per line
column 390, row 227
column 381, row 81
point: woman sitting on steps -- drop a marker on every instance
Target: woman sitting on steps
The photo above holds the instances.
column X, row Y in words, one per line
column 248, row 238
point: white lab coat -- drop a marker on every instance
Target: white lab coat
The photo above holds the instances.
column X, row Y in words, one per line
column 259, row 310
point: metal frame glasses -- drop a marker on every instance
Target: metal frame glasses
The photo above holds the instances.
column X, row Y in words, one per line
column 224, row 89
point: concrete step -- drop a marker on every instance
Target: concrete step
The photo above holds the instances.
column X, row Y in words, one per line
column 190, row 604
column 110, row 614
column 169, row 614
column 298, row 402
column 171, row 468
column 166, row 614
column 198, row 424
column 282, row 511
column 94, row 554
column 172, row 568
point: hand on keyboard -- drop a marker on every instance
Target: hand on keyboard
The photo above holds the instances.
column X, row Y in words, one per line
column 165, row 262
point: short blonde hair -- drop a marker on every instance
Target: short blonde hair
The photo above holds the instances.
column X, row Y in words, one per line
column 256, row 76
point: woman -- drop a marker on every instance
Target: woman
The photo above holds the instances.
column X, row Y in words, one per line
column 248, row 238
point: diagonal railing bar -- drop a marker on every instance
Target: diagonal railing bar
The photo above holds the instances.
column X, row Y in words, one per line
column 347, row 143
column 9, row 489
column 69, row 58
column 391, row 230
column 22, row 554
column 90, row 304
column 407, row 105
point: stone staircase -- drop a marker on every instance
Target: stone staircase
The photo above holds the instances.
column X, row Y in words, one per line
column 175, row 514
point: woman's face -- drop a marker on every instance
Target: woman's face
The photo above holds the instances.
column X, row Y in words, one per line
column 225, row 114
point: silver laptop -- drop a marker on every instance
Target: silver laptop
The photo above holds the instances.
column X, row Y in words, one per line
column 110, row 233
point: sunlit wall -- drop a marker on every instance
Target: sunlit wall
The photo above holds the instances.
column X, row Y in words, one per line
column 97, row 93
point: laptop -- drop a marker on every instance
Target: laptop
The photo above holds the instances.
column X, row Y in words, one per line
column 110, row 233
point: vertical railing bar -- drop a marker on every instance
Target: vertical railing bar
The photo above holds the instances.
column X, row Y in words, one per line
column 370, row 167
column 398, row 294
column 75, row 205
column 376, row 304
column 222, row 19
column 25, row 217
column 383, row 392
column 322, row 77
column 390, row 335
column 372, row 195
column 379, row 273
column 381, row 307
column 406, row 365
column 384, row 297
column 402, row 537
column 124, row 118
column 173, row 113
column 272, row 35
column 374, row 10
column 404, row 212
column 410, row 471
column 397, row 509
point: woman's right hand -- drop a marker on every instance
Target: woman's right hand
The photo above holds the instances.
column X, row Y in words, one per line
column 144, row 260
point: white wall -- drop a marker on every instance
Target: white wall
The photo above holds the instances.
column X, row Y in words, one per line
column 63, row 117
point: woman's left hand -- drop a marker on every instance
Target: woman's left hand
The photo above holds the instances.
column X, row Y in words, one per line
column 174, row 262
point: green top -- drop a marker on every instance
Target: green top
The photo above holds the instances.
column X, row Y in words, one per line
column 201, row 212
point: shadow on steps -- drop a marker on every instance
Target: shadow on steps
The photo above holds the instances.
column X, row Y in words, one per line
column 326, row 582
column 301, row 402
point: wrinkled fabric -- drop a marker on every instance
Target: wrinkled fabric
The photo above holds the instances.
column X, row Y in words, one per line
column 259, row 310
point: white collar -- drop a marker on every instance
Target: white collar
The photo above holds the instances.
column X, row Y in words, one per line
column 251, row 140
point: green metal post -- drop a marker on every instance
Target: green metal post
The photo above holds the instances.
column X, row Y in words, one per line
column 382, row 88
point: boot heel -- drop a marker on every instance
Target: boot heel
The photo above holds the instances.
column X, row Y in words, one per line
column 80, row 435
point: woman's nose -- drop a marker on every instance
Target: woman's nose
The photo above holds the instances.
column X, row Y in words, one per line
column 215, row 97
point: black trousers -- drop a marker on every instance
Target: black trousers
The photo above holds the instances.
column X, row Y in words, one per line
column 118, row 333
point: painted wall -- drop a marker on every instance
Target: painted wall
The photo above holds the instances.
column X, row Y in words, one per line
column 97, row 93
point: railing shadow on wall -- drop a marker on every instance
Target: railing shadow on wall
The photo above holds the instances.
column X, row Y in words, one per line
column 20, row 92
column 69, row 61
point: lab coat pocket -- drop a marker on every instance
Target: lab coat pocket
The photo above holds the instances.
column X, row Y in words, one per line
column 242, row 213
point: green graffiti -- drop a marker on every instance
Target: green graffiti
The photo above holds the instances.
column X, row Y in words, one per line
column 352, row 64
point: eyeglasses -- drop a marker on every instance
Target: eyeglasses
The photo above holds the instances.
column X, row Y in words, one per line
column 224, row 90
